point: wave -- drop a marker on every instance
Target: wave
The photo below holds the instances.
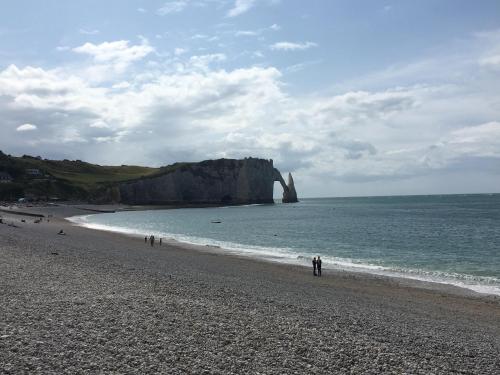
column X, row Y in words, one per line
column 480, row 284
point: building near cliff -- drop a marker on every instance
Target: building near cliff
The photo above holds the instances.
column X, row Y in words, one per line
column 33, row 172
column 211, row 182
column 5, row 178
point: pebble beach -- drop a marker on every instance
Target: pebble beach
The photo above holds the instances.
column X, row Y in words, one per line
column 91, row 302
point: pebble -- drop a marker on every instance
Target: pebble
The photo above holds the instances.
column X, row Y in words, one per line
column 94, row 310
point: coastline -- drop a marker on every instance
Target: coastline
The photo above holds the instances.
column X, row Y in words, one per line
column 289, row 257
column 349, row 321
column 66, row 212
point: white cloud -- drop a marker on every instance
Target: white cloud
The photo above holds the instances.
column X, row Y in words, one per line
column 179, row 51
column 26, row 127
column 247, row 33
column 89, row 32
column 257, row 32
column 240, row 7
column 490, row 61
column 301, row 66
column 203, row 61
column 99, row 124
column 353, row 137
column 170, row 7
column 290, row 46
column 119, row 50
column 141, row 10
column 480, row 140
column 344, row 138
column 111, row 60
column 199, row 36
column 121, row 85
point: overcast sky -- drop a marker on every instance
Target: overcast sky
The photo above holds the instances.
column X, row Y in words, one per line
column 353, row 97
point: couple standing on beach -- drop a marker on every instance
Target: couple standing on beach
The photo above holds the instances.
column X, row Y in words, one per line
column 151, row 240
column 317, row 266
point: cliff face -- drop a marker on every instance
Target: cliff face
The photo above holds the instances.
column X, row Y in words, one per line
column 223, row 181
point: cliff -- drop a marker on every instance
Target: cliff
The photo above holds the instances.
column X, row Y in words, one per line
column 222, row 181
column 211, row 182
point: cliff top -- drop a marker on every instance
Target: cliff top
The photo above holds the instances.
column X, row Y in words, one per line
column 76, row 179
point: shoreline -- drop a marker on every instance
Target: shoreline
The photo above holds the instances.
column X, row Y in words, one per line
column 67, row 212
column 249, row 253
column 98, row 301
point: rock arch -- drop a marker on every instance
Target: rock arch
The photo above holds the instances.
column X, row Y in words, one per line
column 289, row 192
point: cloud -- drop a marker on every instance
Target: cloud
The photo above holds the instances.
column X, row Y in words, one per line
column 112, row 58
column 168, row 106
column 172, row 7
column 203, row 61
column 121, row 85
column 289, row 46
column 26, row 127
column 247, row 33
column 240, row 7
column 141, row 10
column 480, row 141
column 88, row 32
column 179, row 51
column 257, row 32
column 99, row 124
column 301, row 66
column 199, row 36
column 354, row 149
column 198, row 107
column 490, row 61
column 119, row 50
column 354, row 137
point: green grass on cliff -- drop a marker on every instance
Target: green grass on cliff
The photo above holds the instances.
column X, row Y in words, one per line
column 66, row 179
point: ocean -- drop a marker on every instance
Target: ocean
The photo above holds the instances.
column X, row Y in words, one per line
column 451, row 239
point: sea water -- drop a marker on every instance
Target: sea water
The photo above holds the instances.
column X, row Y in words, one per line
column 453, row 239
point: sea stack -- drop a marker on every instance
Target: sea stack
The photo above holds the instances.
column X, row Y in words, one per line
column 290, row 194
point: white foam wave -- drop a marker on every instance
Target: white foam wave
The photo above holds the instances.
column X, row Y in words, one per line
column 84, row 222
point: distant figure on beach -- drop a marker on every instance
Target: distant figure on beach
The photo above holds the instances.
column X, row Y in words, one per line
column 145, row 239
column 318, row 265
column 152, row 240
column 160, row 241
column 315, row 263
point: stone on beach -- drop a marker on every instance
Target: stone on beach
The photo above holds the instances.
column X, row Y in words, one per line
column 106, row 306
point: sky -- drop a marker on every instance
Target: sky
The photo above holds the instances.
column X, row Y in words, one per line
column 352, row 97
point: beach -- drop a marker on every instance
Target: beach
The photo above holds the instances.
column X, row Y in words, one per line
column 100, row 302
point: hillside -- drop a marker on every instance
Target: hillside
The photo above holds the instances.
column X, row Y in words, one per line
column 64, row 179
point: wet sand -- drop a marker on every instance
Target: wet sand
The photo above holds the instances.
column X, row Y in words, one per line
column 98, row 302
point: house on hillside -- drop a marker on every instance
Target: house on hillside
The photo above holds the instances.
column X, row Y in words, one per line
column 5, row 178
column 33, row 172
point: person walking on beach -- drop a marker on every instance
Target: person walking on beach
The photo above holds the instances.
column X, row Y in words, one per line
column 145, row 239
column 160, row 241
column 315, row 263
column 318, row 265
column 152, row 240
